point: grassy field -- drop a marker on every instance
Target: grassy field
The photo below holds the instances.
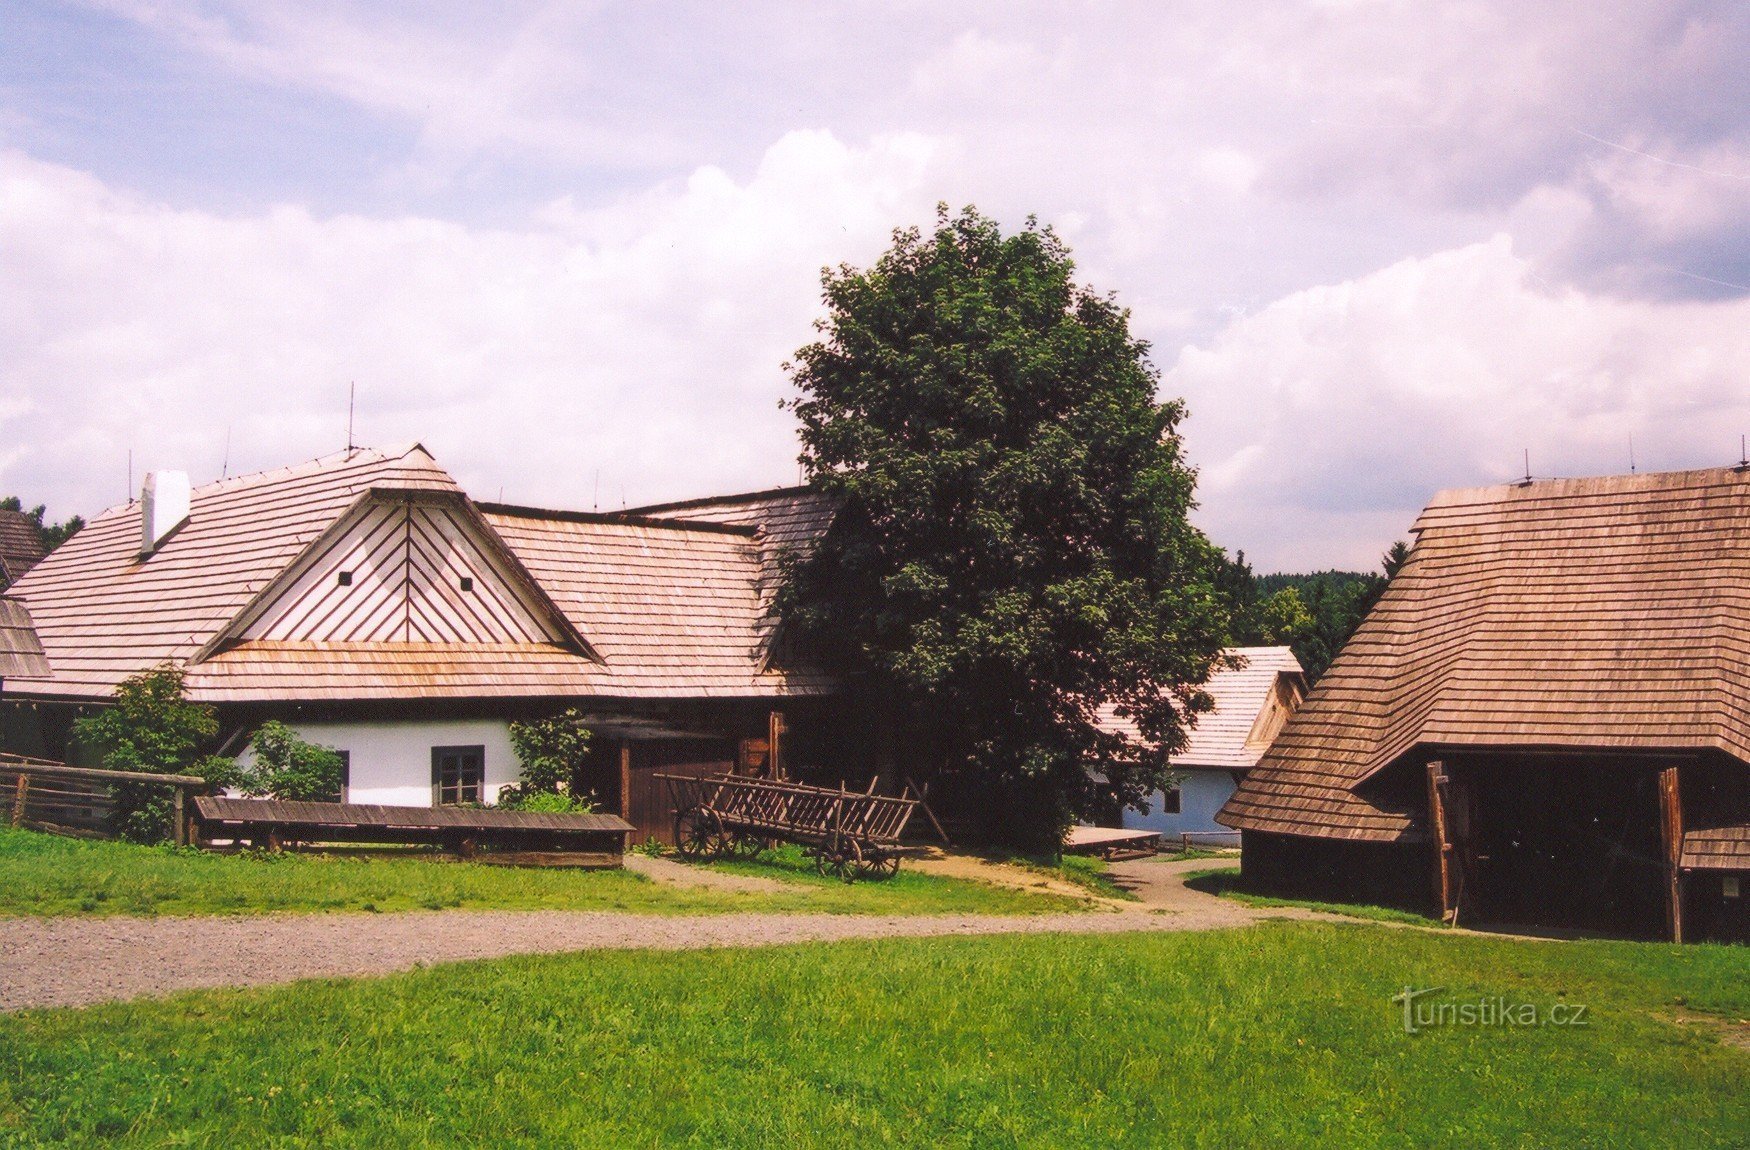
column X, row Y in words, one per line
column 47, row 875
column 1227, row 882
column 1283, row 1034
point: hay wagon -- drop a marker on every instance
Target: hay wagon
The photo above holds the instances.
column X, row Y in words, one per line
column 850, row 835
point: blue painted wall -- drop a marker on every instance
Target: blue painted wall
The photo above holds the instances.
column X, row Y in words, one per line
column 1201, row 794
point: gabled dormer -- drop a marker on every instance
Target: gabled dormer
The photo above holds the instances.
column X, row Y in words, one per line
column 404, row 565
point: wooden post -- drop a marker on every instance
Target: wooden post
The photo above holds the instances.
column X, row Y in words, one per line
column 179, row 817
column 1671, row 838
column 775, row 729
column 19, row 799
column 626, row 780
column 923, row 805
column 1443, row 894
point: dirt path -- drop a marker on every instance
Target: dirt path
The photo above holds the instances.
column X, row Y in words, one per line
column 959, row 864
column 677, row 874
column 79, row 961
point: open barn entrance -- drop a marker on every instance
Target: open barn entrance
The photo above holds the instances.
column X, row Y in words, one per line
column 1562, row 844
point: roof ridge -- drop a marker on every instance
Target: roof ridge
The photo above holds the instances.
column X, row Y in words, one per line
column 288, row 470
column 618, row 519
column 1613, row 483
column 718, row 500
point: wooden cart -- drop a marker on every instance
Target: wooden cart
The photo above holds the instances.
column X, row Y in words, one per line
column 850, row 835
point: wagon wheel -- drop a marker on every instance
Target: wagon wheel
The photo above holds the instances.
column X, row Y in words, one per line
column 746, row 846
column 877, row 862
column 696, row 835
column 846, row 861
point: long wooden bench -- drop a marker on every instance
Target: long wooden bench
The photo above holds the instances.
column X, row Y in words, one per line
column 1111, row 843
column 506, row 836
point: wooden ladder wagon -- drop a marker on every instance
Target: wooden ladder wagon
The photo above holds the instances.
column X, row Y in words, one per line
column 850, row 835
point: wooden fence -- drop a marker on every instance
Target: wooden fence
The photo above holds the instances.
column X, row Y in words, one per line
column 53, row 797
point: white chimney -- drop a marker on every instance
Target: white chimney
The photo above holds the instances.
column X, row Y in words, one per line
column 163, row 507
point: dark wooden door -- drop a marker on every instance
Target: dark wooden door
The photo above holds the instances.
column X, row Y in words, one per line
column 649, row 807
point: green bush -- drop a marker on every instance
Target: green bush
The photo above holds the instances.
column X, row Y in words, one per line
column 152, row 728
column 552, row 752
column 287, row 767
column 551, row 802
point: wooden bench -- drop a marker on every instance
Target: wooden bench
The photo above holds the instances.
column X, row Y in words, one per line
column 1111, row 843
column 531, row 837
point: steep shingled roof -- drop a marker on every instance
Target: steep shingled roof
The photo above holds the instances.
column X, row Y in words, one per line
column 666, row 608
column 789, row 520
column 1232, row 736
column 1584, row 614
column 21, row 652
column 21, row 546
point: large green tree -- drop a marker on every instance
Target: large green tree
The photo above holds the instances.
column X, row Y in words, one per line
column 1013, row 549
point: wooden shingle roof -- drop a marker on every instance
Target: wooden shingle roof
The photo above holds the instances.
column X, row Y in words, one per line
column 21, row 546
column 1235, row 734
column 331, row 580
column 1586, row 614
column 21, row 652
column 674, row 608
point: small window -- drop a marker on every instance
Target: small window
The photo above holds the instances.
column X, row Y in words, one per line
column 1170, row 801
column 467, row 582
column 345, row 579
column 458, row 775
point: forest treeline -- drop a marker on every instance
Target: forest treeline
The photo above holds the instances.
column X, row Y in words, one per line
column 1314, row 613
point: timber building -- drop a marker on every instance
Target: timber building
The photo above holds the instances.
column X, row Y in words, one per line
column 1545, row 720
column 367, row 602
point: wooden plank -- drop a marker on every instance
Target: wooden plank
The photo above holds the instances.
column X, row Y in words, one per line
column 62, row 771
column 1444, row 896
column 21, row 793
column 1671, row 840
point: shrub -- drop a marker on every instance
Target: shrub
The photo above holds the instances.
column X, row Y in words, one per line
column 552, row 751
column 553, row 802
column 152, row 728
column 287, row 767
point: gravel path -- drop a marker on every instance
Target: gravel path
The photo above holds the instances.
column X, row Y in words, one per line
column 79, row 961
column 76, row 962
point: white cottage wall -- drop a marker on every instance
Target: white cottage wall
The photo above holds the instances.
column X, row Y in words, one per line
column 390, row 762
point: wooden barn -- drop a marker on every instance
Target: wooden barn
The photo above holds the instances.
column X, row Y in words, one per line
column 366, row 601
column 1545, row 721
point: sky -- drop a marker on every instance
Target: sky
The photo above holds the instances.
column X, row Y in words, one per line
column 1380, row 248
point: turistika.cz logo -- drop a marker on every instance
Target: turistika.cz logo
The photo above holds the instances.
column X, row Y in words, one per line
column 1421, row 1011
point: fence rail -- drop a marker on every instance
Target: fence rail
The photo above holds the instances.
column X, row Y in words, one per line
column 49, row 796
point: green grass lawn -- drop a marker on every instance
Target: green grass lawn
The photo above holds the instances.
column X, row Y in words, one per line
column 48, row 875
column 1283, row 1034
column 1228, row 883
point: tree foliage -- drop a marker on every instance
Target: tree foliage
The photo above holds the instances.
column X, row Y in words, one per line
column 1013, row 548
column 552, row 752
column 1313, row 613
column 284, row 766
column 152, row 728
column 52, row 535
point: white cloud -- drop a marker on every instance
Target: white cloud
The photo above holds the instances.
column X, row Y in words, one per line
column 1323, row 422
column 642, row 339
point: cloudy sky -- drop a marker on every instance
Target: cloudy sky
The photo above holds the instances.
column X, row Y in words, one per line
column 1380, row 247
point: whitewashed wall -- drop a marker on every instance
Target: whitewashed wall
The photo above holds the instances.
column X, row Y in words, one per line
column 391, row 761
column 1201, row 794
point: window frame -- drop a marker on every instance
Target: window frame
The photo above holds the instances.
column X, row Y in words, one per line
column 462, row 753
